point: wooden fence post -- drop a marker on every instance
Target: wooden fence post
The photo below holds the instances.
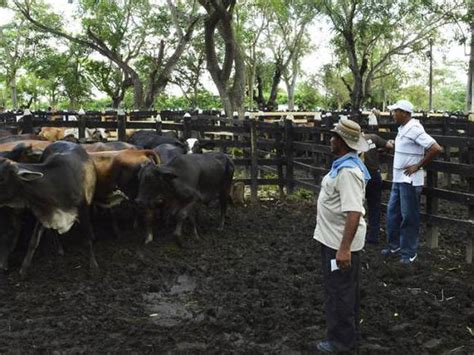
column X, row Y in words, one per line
column 290, row 184
column 253, row 162
column 470, row 232
column 187, row 126
column 27, row 122
column 279, row 156
column 158, row 124
column 431, row 209
column 121, row 126
column 82, row 126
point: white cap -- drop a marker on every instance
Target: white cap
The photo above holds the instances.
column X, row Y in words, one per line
column 403, row 105
column 187, row 114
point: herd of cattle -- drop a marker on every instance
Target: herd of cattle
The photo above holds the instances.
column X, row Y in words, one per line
column 59, row 183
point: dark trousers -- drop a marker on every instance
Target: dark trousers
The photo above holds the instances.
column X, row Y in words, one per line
column 342, row 303
column 373, row 194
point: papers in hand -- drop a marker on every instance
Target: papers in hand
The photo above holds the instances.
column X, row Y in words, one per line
column 334, row 266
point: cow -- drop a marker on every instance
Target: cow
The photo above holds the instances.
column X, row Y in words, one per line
column 151, row 139
column 195, row 146
column 58, row 191
column 21, row 137
column 117, row 179
column 168, row 151
column 107, row 146
column 184, row 182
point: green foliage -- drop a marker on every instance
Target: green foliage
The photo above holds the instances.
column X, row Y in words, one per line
column 302, row 195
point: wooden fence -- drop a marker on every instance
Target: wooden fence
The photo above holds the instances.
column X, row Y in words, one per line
column 299, row 155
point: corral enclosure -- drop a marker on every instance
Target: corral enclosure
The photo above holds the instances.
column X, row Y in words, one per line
column 256, row 287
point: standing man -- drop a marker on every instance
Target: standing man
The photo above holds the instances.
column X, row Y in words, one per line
column 414, row 149
column 373, row 192
column 340, row 229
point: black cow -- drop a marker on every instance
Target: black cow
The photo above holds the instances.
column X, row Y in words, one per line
column 58, row 191
column 186, row 181
column 151, row 139
column 168, row 152
column 10, row 231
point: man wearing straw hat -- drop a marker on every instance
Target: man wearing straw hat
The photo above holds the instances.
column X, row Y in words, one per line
column 340, row 228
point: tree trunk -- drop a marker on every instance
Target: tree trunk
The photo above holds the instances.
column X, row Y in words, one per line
column 470, row 74
column 271, row 103
column 220, row 17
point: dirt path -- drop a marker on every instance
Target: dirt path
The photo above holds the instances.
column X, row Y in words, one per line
column 256, row 288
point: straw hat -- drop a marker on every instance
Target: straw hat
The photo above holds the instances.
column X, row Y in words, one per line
column 351, row 133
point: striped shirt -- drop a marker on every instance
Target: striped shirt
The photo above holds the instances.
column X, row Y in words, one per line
column 410, row 145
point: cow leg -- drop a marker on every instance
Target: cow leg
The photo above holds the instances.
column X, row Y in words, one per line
column 34, row 242
column 223, row 199
column 192, row 217
column 182, row 215
column 148, row 215
column 117, row 232
column 57, row 245
column 86, row 227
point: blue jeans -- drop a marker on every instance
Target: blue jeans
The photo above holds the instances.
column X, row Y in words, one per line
column 403, row 218
column 373, row 194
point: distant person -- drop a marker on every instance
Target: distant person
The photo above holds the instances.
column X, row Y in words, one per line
column 373, row 190
column 414, row 149
column 372, row 119
column 340, row 228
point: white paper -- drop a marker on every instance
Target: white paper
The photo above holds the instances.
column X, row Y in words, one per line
column 334, row 265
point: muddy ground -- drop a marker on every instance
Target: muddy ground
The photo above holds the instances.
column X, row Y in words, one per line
column 255, row 288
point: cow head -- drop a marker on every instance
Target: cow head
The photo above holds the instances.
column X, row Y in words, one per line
column 195, row 146
column 12, row 178
column 155, row 185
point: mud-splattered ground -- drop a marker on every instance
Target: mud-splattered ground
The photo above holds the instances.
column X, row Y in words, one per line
column 255, row 288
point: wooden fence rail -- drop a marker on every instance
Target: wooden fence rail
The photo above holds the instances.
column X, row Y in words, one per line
column 300, row 155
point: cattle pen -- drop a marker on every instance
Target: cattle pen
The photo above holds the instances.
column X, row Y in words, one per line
column 288, row 152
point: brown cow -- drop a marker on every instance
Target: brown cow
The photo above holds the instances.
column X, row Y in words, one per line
column 52, row 134
column 117, row 179
column 108, row 146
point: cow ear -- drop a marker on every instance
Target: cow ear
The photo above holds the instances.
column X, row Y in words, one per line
column 28, row 175
column 166, row 172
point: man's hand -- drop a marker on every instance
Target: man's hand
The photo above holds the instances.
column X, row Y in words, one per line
column 343, row 259
column 412, row 169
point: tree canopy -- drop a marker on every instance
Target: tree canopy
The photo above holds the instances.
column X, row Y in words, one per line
column 238, row 55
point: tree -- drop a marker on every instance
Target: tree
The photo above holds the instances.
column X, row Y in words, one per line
column 123, row 30
column 370, row 33
column 231, row 90
column 106, row 77
column 18, row 43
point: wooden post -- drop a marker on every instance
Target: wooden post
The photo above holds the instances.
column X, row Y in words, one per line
column 432, row 209
column 121, row 126
column 279, row 156
column 254, row 162
column 187, row 127
column 447, row 152
column 82, row 126
column 158, row 124
column 27, row 122
column 470, row 232
column 290, row 184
